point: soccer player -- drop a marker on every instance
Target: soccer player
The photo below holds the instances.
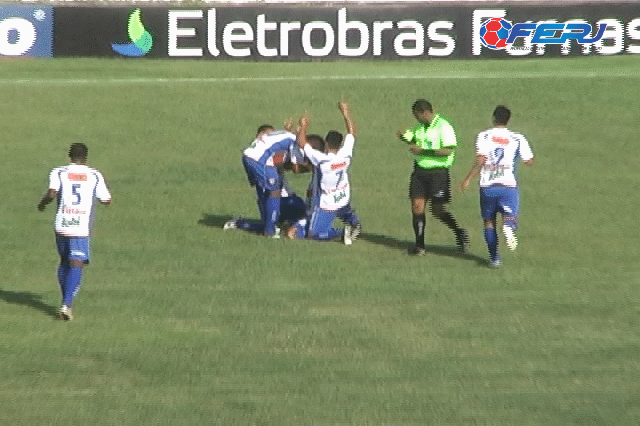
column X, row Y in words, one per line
column 331, row 191
column 74, row 187
column 433, row 142
column 497, row 151
column 264, row 161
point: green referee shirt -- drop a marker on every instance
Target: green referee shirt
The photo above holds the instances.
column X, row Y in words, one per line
column 439, row 134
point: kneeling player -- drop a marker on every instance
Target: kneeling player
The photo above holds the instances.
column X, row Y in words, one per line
column 330, row 196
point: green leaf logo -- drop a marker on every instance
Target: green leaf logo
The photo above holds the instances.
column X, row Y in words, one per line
column 141, row 40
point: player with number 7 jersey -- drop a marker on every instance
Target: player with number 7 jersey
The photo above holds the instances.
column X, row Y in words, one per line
column 330, row 187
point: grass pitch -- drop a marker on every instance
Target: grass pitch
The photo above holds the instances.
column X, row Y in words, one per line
column 181, row 323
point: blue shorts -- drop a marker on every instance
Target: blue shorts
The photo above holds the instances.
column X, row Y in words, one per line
column 321, row 221
column 266, row 177
column 499, row 199
column 320, row 225
column 73, row 248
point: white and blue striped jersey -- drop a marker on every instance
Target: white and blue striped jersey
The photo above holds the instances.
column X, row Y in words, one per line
column 330, row 185
column 502, row 148
column 274, row 149
column 77, row 186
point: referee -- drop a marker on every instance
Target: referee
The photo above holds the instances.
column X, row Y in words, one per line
column 433, row 142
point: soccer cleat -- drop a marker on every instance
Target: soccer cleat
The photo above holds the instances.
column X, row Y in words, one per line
column 495, row 263
column 462, row 240
column 231, row 224
column 64, row 313
column 346, row 235
column 510, row 237
column 276, row 235
column 355, row 231
column 417, row 251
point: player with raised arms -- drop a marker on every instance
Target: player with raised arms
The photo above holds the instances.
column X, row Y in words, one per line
column 497, row 152
column 331, row 190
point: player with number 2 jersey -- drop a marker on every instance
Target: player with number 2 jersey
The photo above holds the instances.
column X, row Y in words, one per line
column 497, row 153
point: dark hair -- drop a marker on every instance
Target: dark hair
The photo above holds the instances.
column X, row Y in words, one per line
column 501, row 115
column 421, row 105
column 334, row 139
column 263, row 128
column 78, row 150
column 316, row 142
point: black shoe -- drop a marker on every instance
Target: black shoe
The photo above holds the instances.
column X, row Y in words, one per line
column 462, row 240
column 417, row 251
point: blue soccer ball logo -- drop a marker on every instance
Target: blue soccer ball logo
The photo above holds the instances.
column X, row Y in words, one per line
column 495, row 32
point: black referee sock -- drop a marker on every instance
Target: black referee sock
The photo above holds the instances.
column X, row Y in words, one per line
column 448, row 219
column 418, row 228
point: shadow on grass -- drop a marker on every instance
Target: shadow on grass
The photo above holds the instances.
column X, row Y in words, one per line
column 404, row 245
column 218, row 221
column 214, row 220
column 28, row 299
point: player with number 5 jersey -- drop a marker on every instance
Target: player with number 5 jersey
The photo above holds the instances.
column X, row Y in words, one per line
column 75, row 187
column 497, row 152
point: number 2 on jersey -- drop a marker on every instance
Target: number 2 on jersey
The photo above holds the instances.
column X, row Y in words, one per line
column 340, row 176
column 498, row 154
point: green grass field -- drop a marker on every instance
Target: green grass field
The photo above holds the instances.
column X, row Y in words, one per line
column 181, row 323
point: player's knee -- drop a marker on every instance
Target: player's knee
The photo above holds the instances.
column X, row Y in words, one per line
column 417, row 206
column 76, row 263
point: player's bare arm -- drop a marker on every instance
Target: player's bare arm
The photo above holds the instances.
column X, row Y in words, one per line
column 301, row 134
column 348, row 122
column 289, row 125
column 46, row 199
column 475, row 171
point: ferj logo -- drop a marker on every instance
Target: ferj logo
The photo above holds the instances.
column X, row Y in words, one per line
column 498, row 33
column 142, row 42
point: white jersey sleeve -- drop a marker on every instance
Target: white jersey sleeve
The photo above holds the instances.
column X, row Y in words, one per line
column 296, row 154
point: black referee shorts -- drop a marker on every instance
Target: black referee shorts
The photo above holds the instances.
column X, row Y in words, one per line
column 430, row 184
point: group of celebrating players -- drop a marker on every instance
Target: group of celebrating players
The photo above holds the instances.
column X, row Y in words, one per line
column 432, row 142
column 329, row 194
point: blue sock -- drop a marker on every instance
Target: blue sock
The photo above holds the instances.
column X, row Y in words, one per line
column 249, row 226
column 272, row 215
column 491, row 237
column 63, row 271
column 261, row 198
column 71, row 285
